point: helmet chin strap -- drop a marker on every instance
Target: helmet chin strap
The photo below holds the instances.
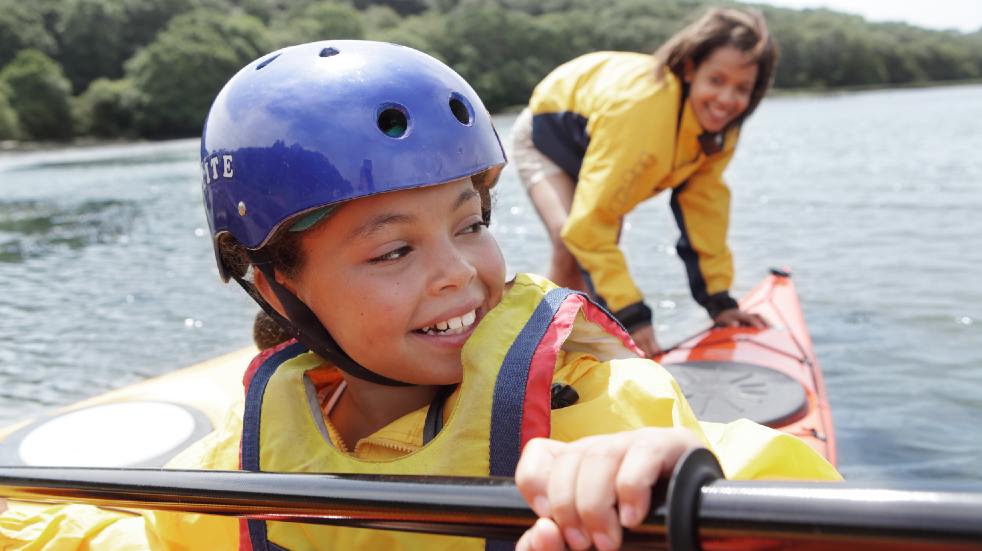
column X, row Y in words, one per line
column 304, row 326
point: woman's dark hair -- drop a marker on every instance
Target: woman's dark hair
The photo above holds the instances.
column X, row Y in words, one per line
column 744, row 30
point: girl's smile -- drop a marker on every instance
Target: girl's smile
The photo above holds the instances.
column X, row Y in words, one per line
column 720, row 87
column 402, row 279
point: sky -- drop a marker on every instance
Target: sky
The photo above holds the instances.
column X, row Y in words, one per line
column 962, row 15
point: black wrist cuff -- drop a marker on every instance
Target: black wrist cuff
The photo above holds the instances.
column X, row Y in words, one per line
column 635, row 316
column 719, row 302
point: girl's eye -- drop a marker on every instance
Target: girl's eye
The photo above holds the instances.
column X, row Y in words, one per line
column 715, row 80
column 395, row 254
column 476, row 227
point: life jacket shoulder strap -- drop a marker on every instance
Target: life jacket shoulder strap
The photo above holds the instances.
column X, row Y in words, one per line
column 521, row 405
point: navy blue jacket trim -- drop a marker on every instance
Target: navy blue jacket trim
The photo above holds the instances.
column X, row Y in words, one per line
column 509, row 388
column 563, row 138
column 634, row 316
column 250, row 432
column 697, row 283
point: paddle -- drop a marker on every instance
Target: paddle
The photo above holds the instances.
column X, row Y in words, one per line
column 697, row 507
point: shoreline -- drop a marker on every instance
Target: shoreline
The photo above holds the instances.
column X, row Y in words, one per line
column 12, row 147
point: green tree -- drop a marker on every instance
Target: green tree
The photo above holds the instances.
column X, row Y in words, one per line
column 91, row 38
column 108, row 108
column 9, row 125
column 40, row 94
column 178, row 75
column 414, row 31
column 402, row 7
column 22, row 27
column 143, row 19
column 319, row 22
column 492, row 48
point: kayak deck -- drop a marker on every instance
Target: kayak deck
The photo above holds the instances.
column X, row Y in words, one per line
column 770, row 376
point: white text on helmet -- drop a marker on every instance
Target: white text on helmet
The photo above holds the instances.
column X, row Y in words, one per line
column 209, row 167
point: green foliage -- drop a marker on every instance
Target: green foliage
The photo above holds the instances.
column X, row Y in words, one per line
column 319, row 22
column 91, row 40
column 379, row 18
column 179, row 73
column 40, row 94
column 108, row 108
column 9, row 124
column 22, row 27
column 402, row 7
column 155, row 65
column 489, row 46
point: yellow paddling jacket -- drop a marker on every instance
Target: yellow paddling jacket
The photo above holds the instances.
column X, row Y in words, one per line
column 624, row 135
column 538, row 335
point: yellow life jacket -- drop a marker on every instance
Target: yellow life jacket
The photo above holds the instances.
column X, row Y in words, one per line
column 504, row 401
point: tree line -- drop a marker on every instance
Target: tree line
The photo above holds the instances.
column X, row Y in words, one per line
column 150, row 68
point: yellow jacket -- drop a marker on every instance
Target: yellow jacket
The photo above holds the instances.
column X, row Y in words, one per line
column 617, row 130
column 616, row 392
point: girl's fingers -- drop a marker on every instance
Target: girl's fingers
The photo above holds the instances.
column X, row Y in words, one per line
column 532, row 472
column 639, row 471
column 542, row 536
column 562, row 496
column 653, row 454
column 595, row 492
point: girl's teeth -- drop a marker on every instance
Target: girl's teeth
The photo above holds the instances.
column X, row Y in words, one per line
column 452, row 325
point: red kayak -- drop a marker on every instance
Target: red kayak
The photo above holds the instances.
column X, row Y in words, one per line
column 770, row 376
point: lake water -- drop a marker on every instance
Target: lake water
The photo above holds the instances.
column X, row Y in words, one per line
column 107, row 275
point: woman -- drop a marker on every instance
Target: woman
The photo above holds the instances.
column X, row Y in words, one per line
column 608, row 130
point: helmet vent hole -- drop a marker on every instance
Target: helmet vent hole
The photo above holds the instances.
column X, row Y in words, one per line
column 329, row 51
column 393, row 122
column 461, row 109
column 267, row 61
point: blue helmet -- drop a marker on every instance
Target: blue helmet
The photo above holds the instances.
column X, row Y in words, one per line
column 320, row 123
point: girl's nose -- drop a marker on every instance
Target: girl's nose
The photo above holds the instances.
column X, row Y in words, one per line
column 727, row 96
column 453, row 269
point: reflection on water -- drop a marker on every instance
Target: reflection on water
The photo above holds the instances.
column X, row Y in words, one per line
column 107, row 273
column 34, row 228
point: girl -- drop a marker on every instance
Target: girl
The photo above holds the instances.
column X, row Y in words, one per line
column 347, row 187
column 608, row 130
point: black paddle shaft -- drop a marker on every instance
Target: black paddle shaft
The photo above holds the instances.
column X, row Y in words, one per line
column 698, row 508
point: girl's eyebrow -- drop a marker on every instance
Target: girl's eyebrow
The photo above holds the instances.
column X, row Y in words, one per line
column 385, row 219
column 377, row 223
column 464, row 197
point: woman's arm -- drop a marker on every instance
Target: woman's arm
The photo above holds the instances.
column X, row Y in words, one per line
column 623, row 160
column 702, row 211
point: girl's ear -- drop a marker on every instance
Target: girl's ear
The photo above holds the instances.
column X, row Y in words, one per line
column 262, row 285
column 688, row 68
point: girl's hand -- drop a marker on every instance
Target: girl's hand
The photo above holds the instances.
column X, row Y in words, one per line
column 585, row 491
column 644, row 337
column 735, row 317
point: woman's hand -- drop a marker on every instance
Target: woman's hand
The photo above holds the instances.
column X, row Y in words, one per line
column 644, row 337
column 585, row 491
column 734, row 317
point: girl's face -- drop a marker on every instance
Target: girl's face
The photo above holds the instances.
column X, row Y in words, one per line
column 720, row 87
column 401, row 279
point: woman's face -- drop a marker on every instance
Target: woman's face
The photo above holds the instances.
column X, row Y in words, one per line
column 401, row 279
column 720, row 87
